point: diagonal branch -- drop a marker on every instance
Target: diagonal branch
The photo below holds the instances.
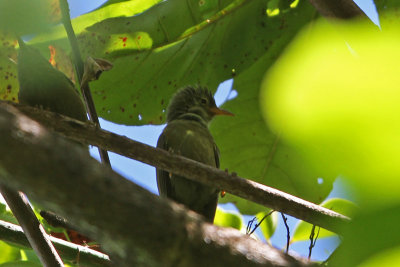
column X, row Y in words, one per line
column 250, row 190
column 134, row 226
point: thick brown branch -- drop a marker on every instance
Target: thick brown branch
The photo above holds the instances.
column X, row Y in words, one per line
column 71, row 252
column 340, row 9
column 136, row 227
column 244, row 188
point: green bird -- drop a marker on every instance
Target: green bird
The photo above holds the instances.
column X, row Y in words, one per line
column 41, row 85
column 187, row 134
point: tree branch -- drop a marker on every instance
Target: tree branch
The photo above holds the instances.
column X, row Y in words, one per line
column 340, row 9
column 71, row 252
column 33, row 230
column 247, row 189
column 128, row 221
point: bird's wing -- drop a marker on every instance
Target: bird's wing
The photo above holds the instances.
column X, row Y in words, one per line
column 163, row 179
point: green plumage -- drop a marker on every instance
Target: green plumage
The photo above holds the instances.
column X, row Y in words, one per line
column 187, row 134
column 42, row 85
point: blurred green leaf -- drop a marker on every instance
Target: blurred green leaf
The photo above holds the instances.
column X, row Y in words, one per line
column 30, row 256
column 268, row 225
column 28, row 16
column 387, row 258
column 334, row 95
column 340, row 104
column 6, row 214
column 228, row 219
column 371, row 233
column 8, row 252
column 21, row 264
column 303, row 229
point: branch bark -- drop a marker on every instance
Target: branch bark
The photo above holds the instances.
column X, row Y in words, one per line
column 128, row 221
column 71, row 252
column 33, row 230
column 339, row 9
column 250, row 190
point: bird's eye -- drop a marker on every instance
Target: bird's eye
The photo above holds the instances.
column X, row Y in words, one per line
column 203, row 101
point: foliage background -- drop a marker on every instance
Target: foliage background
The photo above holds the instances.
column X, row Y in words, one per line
column 153, row 56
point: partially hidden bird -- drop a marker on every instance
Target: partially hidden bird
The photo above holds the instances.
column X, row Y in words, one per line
column 188, row 115
column 42, row 85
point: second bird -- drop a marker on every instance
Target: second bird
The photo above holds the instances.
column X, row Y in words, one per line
column 187, row 134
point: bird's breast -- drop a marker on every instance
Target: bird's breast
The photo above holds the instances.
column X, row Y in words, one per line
column 190, row 139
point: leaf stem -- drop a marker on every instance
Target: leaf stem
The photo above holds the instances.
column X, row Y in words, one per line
column 79, row 68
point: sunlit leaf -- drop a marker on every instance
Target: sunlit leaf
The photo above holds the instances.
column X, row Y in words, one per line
column 268, row 225
column 387, row 258
column 228, row 219
column 8, row 253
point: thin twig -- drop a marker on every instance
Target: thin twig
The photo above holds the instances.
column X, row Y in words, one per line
column 87, row 257
column 249, row 225
column 312, row 240
column 79, row 67
column 33, row 230
column 287, row 232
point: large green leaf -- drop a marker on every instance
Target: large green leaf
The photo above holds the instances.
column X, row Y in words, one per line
column 247, row 145
column 153, row 55
column 341, row 105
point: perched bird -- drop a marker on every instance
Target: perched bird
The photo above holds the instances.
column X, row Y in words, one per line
column 41, row 85
column 187, row 134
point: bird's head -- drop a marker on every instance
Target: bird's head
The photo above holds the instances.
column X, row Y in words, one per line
column 197, row 101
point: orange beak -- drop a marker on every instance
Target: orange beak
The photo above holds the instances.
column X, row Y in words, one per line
column 217, row 111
